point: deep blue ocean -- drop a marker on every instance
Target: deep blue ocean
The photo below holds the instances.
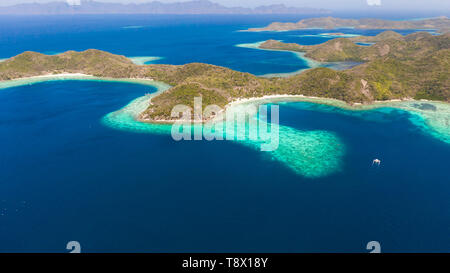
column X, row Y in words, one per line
column 64, row 176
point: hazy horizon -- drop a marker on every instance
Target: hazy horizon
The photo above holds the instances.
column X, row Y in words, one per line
column 371, row 5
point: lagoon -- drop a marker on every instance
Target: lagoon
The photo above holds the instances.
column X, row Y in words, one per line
column 66, row 176
column 76, row 165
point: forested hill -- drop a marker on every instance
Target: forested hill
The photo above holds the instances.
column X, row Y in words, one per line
column 415, row 66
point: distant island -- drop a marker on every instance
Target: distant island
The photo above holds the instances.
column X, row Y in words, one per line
column 155, row 7
column 441, row 24
column 416, row 66
column 345, row 49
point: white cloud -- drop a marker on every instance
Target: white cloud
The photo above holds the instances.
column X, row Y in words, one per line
column 74, row 2
column 374, row 2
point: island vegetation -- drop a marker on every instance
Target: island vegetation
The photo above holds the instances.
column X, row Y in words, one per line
column 396, row 67
column 387, row 44
column 440, row 23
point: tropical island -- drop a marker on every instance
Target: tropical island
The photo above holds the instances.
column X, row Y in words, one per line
column 440, row 23
column 388, row 43
column 416, row 66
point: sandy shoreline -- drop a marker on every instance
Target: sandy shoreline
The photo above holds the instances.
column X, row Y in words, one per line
column 70, row 75
column 319, row 100
column 73, row 76
column 434, row 122
column 48, row 76
column 297, row 98
column 311, row 63
column 257, row 100
column 322, row 100
column 61, row 75
column 162, row 87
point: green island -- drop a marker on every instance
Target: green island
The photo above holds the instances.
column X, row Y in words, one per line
column 416, row 66
column 440, row 23
column 396, row 72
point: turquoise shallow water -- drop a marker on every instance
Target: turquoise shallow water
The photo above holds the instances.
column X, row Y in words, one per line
column 311, row 154
column 76, row 165
column 108, row 182
column 308, row 153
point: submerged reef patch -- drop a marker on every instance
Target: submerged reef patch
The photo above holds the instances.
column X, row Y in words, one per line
column 431, row 117
column 311, row 154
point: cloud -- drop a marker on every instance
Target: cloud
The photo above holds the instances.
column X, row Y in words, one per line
column 374, row 2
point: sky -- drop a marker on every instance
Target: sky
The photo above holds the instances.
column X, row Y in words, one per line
column 443, row 5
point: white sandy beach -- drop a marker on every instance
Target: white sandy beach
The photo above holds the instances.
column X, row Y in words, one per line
column 329, row 101
column 74, row 76
column 437, row 120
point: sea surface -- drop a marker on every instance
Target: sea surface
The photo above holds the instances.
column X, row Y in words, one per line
column 66, row 176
